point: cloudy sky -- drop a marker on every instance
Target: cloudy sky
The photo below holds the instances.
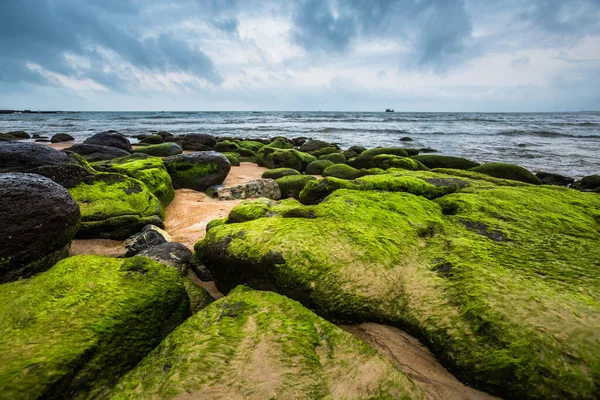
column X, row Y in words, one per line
column 413, row 55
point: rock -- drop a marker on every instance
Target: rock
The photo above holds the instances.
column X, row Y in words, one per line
column 110, row 139
column 406, row 139
column 149, row 236
column 437, row 161
column 253, row 189
column 233, row 159
column 147, row 169
column 427, row 150
column 198, row 142
column 508, row 171
column 270, row 157
column 336, row 158
column 199, row 297
column 341, row 171
column 154, row 139
column 74, row 330
column 324, row 151
column 67, row 174
column 226, row 146
column 61, row 137
column 459, row 269
column 313, row 145
column 165, row 134
column 115, row 206
column 591, row 182
column 292, row 185
column 264, row 346
column 173, row 254
column 280, row 143
column 278, row 173
column 19, row 134
column 160, row 150
column 7, row 138
column 24, row 157
column 548, row 178
column 299, row 141
column 364, row 159
column 197, row 171
column 39, row 219
column 385, row 161
column 357, row 149
column 317, row 167
column 93, row 152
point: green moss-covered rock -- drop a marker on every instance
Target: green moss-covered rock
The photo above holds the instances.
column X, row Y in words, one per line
column 292, row 185
column 336, row 158
column 227, row 146
column 114, row 206
column 260, row 345
column 324, row 151
column 251, row 145
column 478, row 176
column 589, row 182
column 364, row 159
column 160, row 150
column 72, row 331
column 500, row 282
column 232, row 158
column 198, row 170
column 199, row 297
column 279, row 143
column 147, row 169
column 341, row 171
column 278, row 173
column 438, row 161
column 153, row 139
column 276, row 158
column 385, row 161
column 508, row 171
column 317, row 167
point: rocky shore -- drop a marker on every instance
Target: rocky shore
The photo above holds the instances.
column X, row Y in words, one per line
column 196, row 266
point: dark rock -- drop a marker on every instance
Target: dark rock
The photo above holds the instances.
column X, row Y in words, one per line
column 588, row 183
column 198, row 142
column 19, row 134
column 507, row 171
column 406, row 139
column 61, row 137
column 427, row 150
column 299, row 141
column 548, row 178
column 23, row 157
column 154, row 139
column 160, row 150
column 357, row 149
column 39, row 219
column 93, row 152
column 110, row 139
column 172, row 253
column 149, row 236
column 165, row 134
column 313, row 145
column 197, row 171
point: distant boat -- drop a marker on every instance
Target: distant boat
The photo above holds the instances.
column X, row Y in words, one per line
column 389, row 110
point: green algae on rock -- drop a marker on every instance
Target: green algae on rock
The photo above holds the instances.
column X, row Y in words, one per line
column 385, row 161
column 439, row 161
column 277, row 173
column 508, row 171
column 147, row 169
column 270, row 157
column 232, row 158
column 336, row 158
column 72, row 331
column 198, row 171
column 114, row 206
column 260, row 345
column 199, row 297
column 292, row 185
column 501, row 282
column 341, row 171
column 317, row 167
column 364, row 159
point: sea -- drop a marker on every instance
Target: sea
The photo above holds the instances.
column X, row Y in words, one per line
column 565, row 143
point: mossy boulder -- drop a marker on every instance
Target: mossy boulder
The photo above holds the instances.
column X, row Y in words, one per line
column 317, row 167
column 61, row 137
column 198, row 171
column 39, row 219
column 385, row 161
column 364, row 159
column 160, row 150
column 341, row 171
column 292, row 185
column 278, row 173
column 280, row 143
column 505, row 297
column 336, row 158
column 549, row 178
column 313, row 145
column 251, row 145
column 438, row 161
column 199, row 297
column 226, row 146
column 72, row 331
column 147, row 169
column 508, row 171
column 590, row 182
column 153, row 139
column 260, row 345
column 232, row 158
column 114, row 206
column 324, row 151
column 284, row 158
column 19, row 134
column 477, row 176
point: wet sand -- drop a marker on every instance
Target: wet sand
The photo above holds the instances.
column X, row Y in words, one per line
column 58, row 146
column 416, row 361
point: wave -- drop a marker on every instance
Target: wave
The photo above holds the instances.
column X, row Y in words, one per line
column 363, row 130
column 544, row 134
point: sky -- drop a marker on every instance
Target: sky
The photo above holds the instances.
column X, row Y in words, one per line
column 342, row 55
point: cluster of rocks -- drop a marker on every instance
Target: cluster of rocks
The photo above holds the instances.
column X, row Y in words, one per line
column 494, row 268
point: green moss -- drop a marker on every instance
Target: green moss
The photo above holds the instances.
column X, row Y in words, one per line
column 160, row 150
column 154, row 139
column 341, row 171
column 478, row 176
column 279, row 143
column 317, row 167
column 73, row 330
column 500, row 282
column 275, row 158
column 292, row 185
column 232, row 158
column 114, row 206
column 187, row 173
column 227, row 146
column 364, row 159
column 336, row 158
column 249, row 210
column 386, row 161
column 199, row 297
column 149, row 170
column 508, row 171
column 438, row 161
column 590, row 182
column 324, row 151
column 215, row 222
column 254, row 344
column 251, row 145
column 278, row 173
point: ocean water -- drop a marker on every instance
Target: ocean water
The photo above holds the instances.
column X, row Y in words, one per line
column 567, row 143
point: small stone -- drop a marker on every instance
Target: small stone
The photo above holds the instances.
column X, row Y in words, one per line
column 149, row 236
column 253, row 189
